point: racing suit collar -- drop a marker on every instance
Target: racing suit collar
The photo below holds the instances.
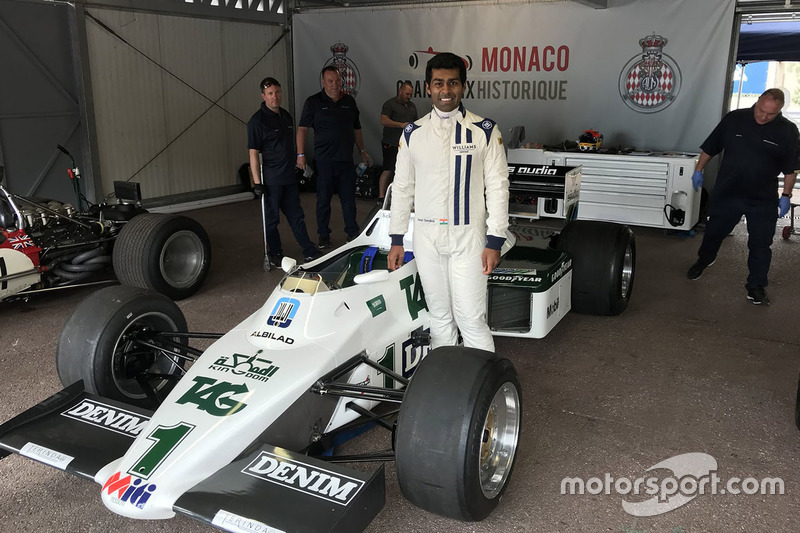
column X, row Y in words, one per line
column 443, row 123
column 441, row 114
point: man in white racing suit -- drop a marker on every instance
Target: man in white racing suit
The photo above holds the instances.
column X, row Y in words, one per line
column 452, row 169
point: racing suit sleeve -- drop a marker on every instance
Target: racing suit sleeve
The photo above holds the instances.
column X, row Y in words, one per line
column 402, row 192
column 495, row 179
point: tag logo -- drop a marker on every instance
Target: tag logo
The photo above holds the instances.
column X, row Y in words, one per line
column 213, row 397
column 415, row 296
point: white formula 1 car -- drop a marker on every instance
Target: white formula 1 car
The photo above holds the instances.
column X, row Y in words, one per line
column 239, row 432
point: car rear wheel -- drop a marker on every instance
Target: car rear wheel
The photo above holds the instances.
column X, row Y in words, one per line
column 603, row 265
column 457, row 432
column 100, row 344
column 166, row 253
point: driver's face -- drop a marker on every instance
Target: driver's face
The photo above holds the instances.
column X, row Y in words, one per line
column 445, row 89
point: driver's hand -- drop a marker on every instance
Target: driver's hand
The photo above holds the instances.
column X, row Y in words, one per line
column 395, row 258
column 490, row 258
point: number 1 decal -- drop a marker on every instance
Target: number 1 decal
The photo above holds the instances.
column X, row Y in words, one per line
column 165, row 439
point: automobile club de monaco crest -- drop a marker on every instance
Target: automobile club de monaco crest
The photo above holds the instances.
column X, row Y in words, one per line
column 351, row 77
column 651, row 81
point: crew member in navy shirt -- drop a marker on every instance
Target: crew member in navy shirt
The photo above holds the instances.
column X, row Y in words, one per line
column 333, row 115
column 270, row 132
column 758, row 144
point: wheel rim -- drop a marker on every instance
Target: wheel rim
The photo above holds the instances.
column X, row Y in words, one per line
column 131, row 359
column 627, row 273
column 499, row 440
column 182, row 259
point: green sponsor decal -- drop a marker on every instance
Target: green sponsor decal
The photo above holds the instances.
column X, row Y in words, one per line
column 415, row 296
column 376, row 305
column 250, row 366
column 164, row 439
column 387, row 362
column 214, row 397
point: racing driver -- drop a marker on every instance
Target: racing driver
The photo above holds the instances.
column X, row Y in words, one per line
column 452, row 169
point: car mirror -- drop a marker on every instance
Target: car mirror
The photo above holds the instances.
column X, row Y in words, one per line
column 371, row 277
column 288, row 264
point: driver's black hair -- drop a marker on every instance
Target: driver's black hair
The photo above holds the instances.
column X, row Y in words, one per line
column 446, row 60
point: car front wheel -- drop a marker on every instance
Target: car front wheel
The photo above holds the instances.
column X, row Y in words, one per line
column 458, row 431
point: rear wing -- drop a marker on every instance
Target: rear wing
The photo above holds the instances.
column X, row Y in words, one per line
column 543, row 190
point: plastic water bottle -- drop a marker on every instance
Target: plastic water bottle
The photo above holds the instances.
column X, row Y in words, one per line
column 362, row 167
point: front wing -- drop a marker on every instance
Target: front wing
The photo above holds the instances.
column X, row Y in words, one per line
column 269, row 490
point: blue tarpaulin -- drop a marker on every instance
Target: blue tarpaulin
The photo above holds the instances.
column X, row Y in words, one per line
column 769, row 41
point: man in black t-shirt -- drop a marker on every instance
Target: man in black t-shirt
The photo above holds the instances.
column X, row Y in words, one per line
column 270, row 132
column 333, row 115
column 395, row 114
column 758, row 144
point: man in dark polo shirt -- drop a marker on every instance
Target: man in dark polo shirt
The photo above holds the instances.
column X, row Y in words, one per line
column 395, row 114
column 333, row 115
column 759, row 143
column 270, row 133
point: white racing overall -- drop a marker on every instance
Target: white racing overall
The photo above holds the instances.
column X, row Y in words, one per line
column 453, row 172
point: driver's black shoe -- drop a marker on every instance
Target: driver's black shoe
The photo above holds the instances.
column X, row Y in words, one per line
column 324, row 243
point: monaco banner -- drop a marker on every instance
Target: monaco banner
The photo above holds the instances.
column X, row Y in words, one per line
column 647, row 74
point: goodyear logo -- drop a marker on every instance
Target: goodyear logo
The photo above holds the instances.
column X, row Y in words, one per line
column 560, row 271
column 515, row 278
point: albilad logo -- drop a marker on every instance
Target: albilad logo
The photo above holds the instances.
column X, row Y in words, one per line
column 651, row 81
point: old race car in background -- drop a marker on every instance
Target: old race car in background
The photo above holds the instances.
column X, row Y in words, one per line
column 241, row 430
column 47, row 245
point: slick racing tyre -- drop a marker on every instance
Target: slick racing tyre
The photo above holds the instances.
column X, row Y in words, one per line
column 166, row 253
column 98, row 345
column 603, row 265
column 457, row 432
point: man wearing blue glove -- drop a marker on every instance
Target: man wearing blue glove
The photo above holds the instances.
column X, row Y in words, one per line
column 758, row 144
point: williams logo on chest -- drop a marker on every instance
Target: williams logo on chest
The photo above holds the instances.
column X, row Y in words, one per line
column 464, row 148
